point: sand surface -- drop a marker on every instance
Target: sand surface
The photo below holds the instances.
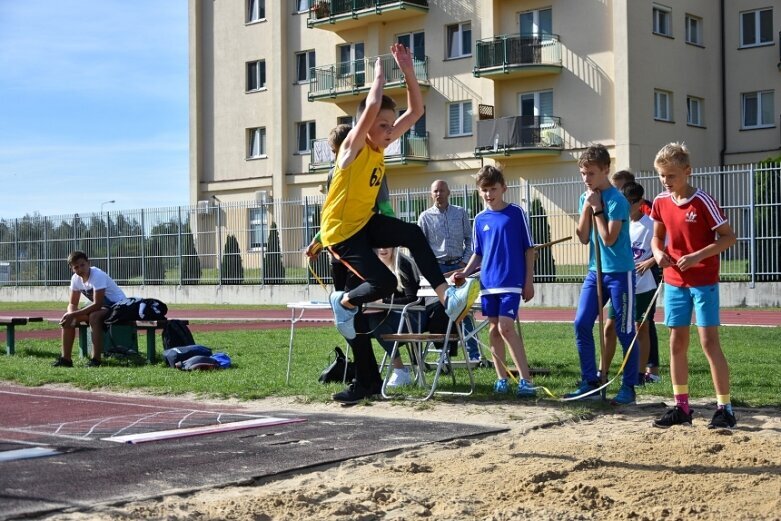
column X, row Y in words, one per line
column 553, row 464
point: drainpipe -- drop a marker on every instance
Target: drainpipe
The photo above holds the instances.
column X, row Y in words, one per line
column 723, row 88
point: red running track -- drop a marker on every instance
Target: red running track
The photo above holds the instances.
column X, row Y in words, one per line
column 230, row 319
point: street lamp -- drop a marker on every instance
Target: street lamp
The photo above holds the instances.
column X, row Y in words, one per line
column 105, row 203
column 108, row 247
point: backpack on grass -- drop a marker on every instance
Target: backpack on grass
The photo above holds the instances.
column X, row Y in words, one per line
column 178, row 355
column 177, row 334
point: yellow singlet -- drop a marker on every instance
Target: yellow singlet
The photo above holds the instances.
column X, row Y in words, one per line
column 352, row 196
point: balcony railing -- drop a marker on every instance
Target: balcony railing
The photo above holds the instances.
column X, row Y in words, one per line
column 345, row 14
column 518, row 55
column 355, row 77
column 518, row 135
column 410, row 148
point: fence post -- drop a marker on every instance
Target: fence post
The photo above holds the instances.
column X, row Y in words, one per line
column 527, row 195
column 108, row 246
column 179, row 245
column 306, row 234
column 143, row 249
column 45, row 252
column 16, row 251
column 751, row 226
column 218, row 236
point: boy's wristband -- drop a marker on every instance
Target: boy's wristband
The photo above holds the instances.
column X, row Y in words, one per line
column 599, row 213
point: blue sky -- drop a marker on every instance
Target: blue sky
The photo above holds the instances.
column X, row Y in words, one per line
column 93, row 105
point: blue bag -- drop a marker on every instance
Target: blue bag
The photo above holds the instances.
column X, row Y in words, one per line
column 223, row 359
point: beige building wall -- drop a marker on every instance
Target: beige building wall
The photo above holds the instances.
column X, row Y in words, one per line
column 611, row 64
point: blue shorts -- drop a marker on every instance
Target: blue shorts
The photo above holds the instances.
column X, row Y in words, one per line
column 501, row 304
column 679, row 303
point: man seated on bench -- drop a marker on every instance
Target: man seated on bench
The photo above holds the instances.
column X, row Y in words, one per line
column 102, row 292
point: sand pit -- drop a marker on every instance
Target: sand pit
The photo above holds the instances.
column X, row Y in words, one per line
column 554, row 464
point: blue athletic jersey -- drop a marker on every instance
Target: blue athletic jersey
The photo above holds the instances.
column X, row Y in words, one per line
column 617, row 258
column 501, row 238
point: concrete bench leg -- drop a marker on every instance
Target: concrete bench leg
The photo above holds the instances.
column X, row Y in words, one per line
column 83, row 346
column 150, row 345
column 10, row 339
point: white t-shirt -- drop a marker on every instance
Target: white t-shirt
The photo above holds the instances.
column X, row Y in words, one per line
column 98, row 280
column 640, row 233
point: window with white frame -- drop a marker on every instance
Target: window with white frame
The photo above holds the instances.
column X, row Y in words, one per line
column 694, row 111
column 756, row 27
column 305, row 132
column 302, row 6
column 459, row 118
column 256, row 142
column 258, row 228
column 663, row 20
column 305, row 61
column 693, row 29
column 538, row 105
column 256, row 10
column 351, row 63
column 345, row 120
column 256, row 75
column 459, row 40
column 758, row 109
column 663, row 105
column 536, row 22
column 415, row 42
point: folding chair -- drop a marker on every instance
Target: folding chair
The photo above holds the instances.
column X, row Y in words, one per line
column 422, row 344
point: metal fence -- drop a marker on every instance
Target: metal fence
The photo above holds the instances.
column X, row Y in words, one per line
column 263, row 242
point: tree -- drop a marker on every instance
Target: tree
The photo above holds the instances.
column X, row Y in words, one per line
column 273, row 268
column 545, row 265
column 191, row 263
column 231, row 268
column 767, row 219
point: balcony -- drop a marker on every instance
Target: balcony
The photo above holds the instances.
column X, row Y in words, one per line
column 339, row 15
column 504, row 57
column 520, row 135
column 408, row 150
column 349, row 80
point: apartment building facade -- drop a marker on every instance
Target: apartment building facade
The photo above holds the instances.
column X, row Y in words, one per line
column 527, row 84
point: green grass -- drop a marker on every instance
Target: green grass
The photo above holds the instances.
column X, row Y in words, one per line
column 260, row 359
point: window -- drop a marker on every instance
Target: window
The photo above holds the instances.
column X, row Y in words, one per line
column 305, row 61
column 756, row 27
column 256, row 10
column 537, row 104
column 537, row 22
column 459, row 40
column 694, row 111
column 256, row 75
column 345, row 120
column 302, row 6
column 256, row 142
column 693, row 30
column 459, row 118
column 415, row 42
column 306, row 133
column 352, row 63
column 663, row 20
column 663, row 105
column 258, row 226
column 758, row 109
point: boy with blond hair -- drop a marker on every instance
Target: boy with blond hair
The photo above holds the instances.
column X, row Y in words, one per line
column 690, row 231
column 504, row 252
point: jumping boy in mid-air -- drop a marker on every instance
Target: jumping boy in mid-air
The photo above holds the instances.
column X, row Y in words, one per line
column 690, row 231
column 604, row 205
column 350, row 229
column 504, row 250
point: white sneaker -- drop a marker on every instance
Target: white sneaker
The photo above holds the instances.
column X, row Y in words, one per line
column 399, row 377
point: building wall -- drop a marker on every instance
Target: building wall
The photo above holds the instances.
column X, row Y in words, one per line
column 612, row 62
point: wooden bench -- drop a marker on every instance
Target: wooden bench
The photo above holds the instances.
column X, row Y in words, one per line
column 148, row 326
column 10, row 324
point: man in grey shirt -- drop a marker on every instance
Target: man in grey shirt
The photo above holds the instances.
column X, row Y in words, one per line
column 447, row 229
column 449, row 234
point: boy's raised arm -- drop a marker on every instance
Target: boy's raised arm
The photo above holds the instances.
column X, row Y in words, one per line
column 356, row 138
column 414, row 110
